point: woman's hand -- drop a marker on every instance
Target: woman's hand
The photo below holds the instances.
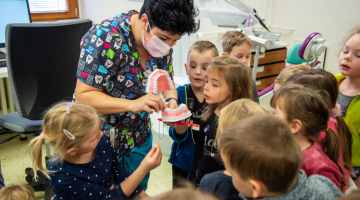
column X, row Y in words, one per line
column 152, row 159
column 173, row 104
column 147, row 103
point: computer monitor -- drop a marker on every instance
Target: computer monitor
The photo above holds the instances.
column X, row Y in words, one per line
column 13, row 11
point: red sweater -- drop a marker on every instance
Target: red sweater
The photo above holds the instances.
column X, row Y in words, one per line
column 317, row 162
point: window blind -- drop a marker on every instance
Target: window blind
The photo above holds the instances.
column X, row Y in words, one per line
column 48, row 6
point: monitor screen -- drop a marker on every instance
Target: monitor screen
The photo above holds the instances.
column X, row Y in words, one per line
column 12, row 11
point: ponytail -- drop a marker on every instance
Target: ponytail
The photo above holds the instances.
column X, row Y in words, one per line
column 35, row 148
column 345, row 140
column 331, row 148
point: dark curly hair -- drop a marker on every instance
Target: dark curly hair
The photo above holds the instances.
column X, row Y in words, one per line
column 173, row 16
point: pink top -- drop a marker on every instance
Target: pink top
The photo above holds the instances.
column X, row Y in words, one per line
column 317, row 162
column 332, row 124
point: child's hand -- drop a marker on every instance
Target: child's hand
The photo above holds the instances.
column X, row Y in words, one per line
column 181, row 129
column 152, row 159
column 172, row 124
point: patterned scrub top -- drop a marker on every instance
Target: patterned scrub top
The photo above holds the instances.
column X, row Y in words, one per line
column 109, row 60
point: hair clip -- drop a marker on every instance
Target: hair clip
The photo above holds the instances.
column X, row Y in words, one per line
column 42, row 136
column 68, row 108
column 69, row 135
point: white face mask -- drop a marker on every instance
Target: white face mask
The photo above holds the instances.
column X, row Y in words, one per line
column 156, row 47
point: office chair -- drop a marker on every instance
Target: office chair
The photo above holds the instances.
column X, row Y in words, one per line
column 42, row 61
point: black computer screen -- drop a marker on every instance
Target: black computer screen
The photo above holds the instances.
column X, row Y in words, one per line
column 12, row 11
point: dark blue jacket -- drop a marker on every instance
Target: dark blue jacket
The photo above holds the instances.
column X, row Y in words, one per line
column 182, row 149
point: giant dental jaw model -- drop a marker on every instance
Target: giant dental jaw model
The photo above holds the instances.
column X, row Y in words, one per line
column 158, row 82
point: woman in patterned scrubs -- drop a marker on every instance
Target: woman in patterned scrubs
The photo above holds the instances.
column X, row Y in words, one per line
column 117, row 56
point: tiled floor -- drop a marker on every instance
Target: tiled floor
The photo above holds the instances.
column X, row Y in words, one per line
column 14, row 160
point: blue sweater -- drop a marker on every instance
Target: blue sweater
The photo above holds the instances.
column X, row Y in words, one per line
column 182, row 149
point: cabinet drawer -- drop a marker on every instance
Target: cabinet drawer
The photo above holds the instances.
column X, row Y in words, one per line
column 269, row 70
column 270, row 57
column 264, row 83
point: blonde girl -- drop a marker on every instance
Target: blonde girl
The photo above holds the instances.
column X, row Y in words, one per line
column 237, row 110
column 220, row 183
column 307, row 114
column 349, row 95
column 85, row 165
column 17, row 192
column 226, row 81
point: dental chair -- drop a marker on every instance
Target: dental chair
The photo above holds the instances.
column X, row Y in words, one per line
column 310, row 49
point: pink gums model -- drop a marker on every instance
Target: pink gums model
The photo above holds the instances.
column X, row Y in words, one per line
column 159, row 81
column 174, row 115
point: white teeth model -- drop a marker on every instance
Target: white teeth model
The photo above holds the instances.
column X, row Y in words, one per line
column 182, row 107
column 155, row 87
column 170, row 82
column 167, row 117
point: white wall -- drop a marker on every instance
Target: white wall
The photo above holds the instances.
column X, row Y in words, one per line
column 89, row 9
column 332, row 18
column 98, row 10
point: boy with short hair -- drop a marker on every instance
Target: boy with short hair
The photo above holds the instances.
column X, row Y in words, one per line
column 272, row 171
column 237, row 45
column 199, row 56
